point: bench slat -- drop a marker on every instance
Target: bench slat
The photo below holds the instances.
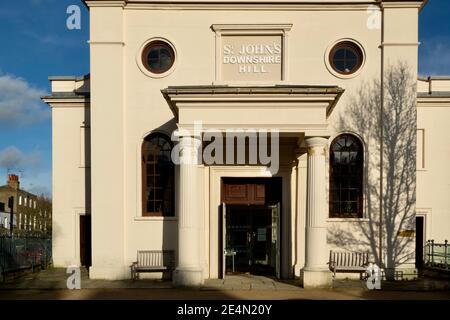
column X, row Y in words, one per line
column 154, row 260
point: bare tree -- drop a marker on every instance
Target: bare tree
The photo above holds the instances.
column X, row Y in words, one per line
column 395, row 140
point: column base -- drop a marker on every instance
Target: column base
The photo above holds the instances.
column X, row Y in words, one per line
column 298, row 271
column 316, row 279
column 188, row 277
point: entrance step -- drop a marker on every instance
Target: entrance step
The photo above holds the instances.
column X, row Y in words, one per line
column 249, row 282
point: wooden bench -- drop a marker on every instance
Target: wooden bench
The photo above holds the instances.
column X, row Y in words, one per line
column 153, row 261
column 348, row 262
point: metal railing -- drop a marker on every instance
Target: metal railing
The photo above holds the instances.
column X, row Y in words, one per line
column 437, row 255
column 18, row 253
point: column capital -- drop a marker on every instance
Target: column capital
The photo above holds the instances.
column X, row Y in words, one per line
column 190, row 150
column 315, row 142
column 189, row 136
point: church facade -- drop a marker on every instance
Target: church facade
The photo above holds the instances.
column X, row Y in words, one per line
column 249, row 137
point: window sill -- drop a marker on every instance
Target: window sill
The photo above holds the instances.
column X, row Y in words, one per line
column 347, row 220
column 155, row 218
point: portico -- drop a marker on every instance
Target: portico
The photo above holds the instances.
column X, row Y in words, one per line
column 298, row 113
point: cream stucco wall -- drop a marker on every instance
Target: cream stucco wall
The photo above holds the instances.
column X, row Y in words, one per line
column 433, row 174
column 70, row 164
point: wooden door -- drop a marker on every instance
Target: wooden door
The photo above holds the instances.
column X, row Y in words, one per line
column 251, row 191
column 244, row 193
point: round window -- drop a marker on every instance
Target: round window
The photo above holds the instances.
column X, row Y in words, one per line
column 158, row 57
column 346, row 57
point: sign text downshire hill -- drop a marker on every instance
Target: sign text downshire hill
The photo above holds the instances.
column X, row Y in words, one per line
column 252, row 58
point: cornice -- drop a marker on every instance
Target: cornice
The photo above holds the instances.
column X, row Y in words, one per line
column 262, row 97
column 434, row 105
column 247, row 27
column 399, row 4
column 105, row 3
column 433, row 101
column 258, row 5
column 272, row 5
column 67, row 102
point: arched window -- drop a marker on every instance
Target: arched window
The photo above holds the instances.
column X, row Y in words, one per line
column 158, row 173
column 346, row 177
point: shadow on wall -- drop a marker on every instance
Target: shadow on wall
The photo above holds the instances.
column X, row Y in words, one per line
column 169, row 227
column 398, row 150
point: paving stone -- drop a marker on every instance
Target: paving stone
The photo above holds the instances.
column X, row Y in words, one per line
column 51, row 283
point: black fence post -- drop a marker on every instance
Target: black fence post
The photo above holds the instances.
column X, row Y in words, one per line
column 432, row 253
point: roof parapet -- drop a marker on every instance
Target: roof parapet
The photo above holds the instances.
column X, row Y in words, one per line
column 433, row 85
column 72, row 84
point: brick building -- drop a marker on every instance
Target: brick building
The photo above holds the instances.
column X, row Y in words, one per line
column 32, row 214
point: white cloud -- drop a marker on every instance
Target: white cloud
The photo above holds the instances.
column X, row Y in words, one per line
column 20, row 103
column 13, row 158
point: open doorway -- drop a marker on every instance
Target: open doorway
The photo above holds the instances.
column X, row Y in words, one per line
column 85, row 240
column 420, row 241
column 250, row 226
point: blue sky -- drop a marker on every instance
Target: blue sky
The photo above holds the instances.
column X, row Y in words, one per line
column 36, row 44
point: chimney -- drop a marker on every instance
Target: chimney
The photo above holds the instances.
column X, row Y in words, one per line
column 13, row 181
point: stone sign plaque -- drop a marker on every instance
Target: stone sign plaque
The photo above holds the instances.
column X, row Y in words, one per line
column 251, row 58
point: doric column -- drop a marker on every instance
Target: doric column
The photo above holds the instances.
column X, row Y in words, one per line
column 316, row 272
column 189, row 270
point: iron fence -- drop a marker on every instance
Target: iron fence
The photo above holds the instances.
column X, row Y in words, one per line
column 437, row 255
column 24, row 252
